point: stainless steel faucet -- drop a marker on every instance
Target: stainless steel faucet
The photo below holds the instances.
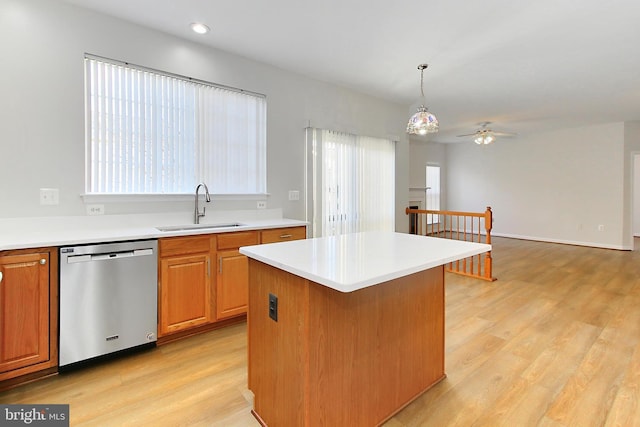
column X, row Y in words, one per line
column 197, row 214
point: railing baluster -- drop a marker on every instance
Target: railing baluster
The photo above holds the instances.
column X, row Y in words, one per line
column 484, row 262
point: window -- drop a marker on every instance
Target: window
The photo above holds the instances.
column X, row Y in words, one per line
column 432, row 201
column 156, row 133
column 353, row 183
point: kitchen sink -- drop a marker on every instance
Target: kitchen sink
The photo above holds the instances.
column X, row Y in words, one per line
column 199, row 226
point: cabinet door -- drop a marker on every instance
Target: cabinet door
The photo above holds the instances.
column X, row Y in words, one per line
column 232, row 284
column 185, row 292
column 24, row 310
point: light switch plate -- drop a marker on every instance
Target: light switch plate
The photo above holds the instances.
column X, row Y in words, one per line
column 294, row 195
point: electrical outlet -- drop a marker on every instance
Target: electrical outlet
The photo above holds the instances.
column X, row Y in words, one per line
column 273, row 307
column 262, row 204
column 601, row 227
column 95, row 209
column 49, row 196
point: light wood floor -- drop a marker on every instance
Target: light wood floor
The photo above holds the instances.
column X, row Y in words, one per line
column 554, row 342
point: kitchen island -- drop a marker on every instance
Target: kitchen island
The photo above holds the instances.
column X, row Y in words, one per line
column 346, row 330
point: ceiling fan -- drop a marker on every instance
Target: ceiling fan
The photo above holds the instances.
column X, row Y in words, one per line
column 484, row 135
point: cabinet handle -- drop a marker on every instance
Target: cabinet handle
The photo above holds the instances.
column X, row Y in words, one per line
column 285, row 236
column 0, row 276
column 43, row 261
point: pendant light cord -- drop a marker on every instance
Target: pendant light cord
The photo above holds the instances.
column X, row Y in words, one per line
column 422, row 67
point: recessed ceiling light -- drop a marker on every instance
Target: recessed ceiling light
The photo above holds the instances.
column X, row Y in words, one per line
column 199, row 28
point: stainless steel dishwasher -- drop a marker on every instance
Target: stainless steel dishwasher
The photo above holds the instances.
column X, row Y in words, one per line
column 108, row 299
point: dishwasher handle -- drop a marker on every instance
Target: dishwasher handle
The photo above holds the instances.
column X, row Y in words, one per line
column 109, row 256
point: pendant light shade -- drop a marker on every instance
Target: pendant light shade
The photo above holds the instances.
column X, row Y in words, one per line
column 422, row 122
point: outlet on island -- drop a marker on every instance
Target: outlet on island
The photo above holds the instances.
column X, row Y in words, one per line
column 273, row 307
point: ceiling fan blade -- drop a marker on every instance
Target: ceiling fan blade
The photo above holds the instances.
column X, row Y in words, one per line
column 468, row 134
column 504, row 134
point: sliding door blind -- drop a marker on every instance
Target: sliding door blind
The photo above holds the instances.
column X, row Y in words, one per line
column 154, row 133
column 354, row 183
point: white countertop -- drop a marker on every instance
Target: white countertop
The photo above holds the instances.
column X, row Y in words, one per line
column 354, row 261
column 22, row 233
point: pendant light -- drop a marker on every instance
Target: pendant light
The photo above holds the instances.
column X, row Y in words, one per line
column 422, row 122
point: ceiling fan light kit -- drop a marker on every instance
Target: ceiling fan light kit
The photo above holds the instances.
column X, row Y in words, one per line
column 484, row 135
column 422, row 122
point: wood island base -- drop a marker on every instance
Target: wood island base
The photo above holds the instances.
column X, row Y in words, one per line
column 342, row 358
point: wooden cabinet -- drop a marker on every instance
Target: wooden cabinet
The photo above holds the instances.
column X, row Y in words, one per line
column 283, row 234
column 28, row 311
column 185, row 298
column 232, row 284
column 233, row 269
column 204, row 279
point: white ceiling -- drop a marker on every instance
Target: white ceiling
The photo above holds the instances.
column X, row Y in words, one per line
column 523, row 65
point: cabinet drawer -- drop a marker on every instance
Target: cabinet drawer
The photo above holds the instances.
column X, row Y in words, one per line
column 240, row 238
column 183, row 245
column 284, row 234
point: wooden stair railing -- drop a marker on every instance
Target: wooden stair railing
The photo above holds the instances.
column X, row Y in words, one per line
column 467, row 226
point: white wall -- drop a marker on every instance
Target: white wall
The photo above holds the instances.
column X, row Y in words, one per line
column 42, row 107
column 557, row 186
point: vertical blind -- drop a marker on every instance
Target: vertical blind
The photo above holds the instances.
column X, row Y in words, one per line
column 155, row 133
column 353, row 183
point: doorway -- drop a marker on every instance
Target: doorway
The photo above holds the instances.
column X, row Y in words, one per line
column 635, row 202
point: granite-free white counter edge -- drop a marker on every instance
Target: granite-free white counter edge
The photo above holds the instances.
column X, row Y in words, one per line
column 24, row 233
column 350, row 262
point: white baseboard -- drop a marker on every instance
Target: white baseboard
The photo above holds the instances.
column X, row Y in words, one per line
column 548, row 240
column 562, row 241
